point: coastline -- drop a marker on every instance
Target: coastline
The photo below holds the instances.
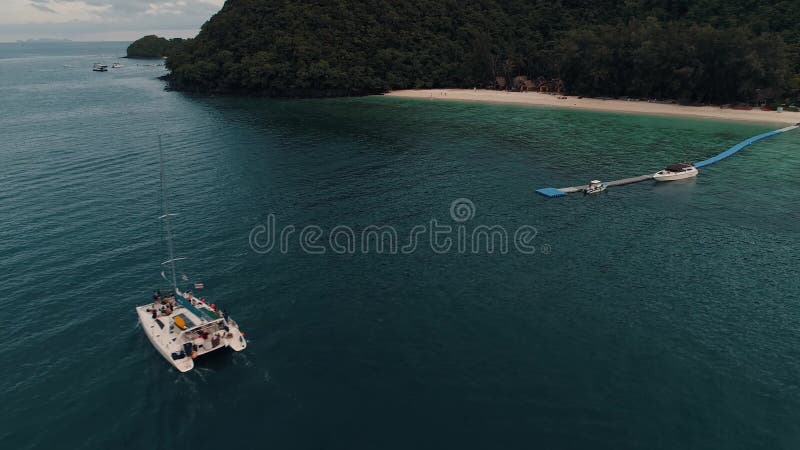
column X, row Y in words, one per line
column 594, row 104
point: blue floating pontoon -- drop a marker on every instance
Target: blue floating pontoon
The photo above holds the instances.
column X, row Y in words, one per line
column 553, row 192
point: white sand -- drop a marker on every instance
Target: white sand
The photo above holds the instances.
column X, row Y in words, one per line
column 622, row 106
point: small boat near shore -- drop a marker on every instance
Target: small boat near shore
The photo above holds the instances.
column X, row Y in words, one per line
column 595, row 187
column 676, row 172
column 100, row 68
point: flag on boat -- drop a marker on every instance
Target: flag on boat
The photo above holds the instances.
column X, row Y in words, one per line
column 184, row 277
column 199, row 285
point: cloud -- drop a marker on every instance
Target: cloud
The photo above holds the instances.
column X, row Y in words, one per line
column 23, row 19
column 42, row 7
column 166, row 8
column 126, row 8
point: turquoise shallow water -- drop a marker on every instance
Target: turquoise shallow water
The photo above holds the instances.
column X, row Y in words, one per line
column 656, row 316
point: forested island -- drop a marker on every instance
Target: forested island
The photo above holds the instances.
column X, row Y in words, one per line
column 153, row 47
column 703, row 51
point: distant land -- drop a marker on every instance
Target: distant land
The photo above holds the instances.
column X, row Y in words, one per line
column 709, row 52
column 43, row 40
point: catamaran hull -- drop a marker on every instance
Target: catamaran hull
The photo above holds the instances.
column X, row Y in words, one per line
column 160, row 342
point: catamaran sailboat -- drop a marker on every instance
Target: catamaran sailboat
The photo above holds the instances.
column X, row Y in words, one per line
column 181, row 326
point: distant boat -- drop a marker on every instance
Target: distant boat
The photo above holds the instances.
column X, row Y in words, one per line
column 100, row 67
column 178, row 324
column 117, row 66
column 676, row 172
column 595, row 187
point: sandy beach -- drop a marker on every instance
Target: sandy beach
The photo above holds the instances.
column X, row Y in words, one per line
column 621, row 106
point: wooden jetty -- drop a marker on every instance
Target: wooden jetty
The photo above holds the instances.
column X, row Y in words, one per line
column 622, row 182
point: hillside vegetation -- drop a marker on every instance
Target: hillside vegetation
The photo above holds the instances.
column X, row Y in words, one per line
column 709, row 51
column 152, row 47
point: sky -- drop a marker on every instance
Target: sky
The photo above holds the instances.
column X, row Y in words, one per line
column 102, row 20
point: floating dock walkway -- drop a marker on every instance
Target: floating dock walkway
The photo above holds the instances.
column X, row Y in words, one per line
column 560, row 192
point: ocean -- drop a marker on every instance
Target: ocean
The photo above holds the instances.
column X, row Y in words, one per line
column 655, row 316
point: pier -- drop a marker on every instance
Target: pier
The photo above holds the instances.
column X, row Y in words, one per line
column 560, row 192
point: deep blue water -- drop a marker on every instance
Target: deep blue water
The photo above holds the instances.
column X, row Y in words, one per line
column 652, row 317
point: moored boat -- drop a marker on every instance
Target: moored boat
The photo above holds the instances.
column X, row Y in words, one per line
column 595, row 187
column 676, row 172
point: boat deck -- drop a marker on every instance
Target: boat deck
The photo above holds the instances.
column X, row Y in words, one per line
column 200, row 321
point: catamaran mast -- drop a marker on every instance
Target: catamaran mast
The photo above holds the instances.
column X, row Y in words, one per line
column 166, row 217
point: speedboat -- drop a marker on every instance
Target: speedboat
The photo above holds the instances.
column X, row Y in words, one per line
column 100, row 68
column 676, row 172
column 595, row 187
column 181, row 326
column 117, row 66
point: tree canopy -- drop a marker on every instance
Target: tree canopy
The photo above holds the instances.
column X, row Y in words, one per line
column 152, row 47
column 710, row 51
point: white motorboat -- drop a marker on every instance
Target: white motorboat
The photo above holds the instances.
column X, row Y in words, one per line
column 117, row 66
column 181, row 326
column 676, row 172
column 595, row 187
column 100, row 68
